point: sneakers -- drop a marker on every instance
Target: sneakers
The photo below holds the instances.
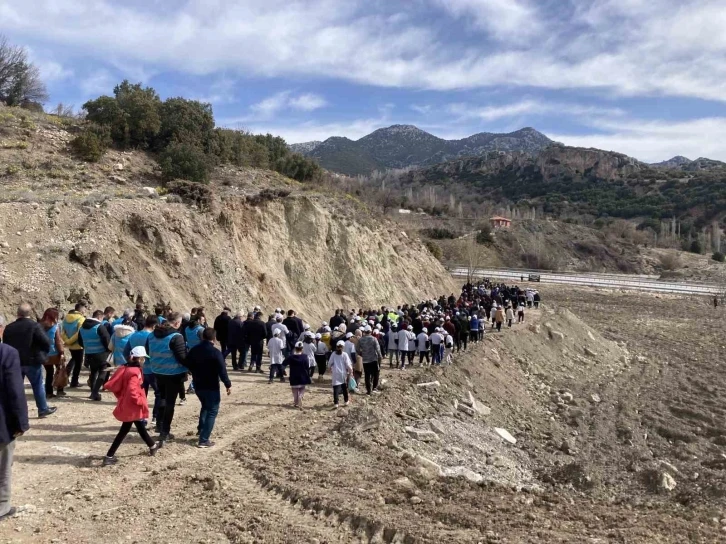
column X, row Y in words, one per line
column 182, row 402
column 108, row 461
column 153, row 420
column 335, row 407
column 206, row 444
column 347, row 403
column 61, row 394
column 165, row 437
column 376, row 392
column 49, row 412
column 153, row 449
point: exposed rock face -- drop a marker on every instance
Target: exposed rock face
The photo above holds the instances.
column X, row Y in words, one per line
column 290, row 252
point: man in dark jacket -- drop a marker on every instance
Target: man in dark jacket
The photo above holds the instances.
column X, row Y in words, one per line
column 255, row 335
column 235, row 339
column 94, row 338
column 336, row 320
column 294, row 324
column 13, row 417
column 221, row 326
column 33, row 345
column 207, row 367
column 245, row 341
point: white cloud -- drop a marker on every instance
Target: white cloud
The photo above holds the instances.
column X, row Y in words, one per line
column 309, row 131
column 629, row 47
column 654, row 141
column 528, row 108
column 285, row 100
column 307, row 102
column 424, row 110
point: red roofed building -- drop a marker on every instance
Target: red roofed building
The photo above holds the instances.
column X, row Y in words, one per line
column 500, row 222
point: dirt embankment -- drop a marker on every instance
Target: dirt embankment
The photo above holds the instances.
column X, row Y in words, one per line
column 293, row 251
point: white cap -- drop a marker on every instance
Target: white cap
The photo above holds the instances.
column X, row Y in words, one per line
column 278, row 310
column 256, row 309
column 276, row 332
column 425, row 330
column 378, row 326
column 139, row 351
column 298, row 345
column 340, row 343
column 410, row 328
column 327, row 329
column 325, row 324
column 367, row 328
column 306, row 326
column 348, row 334
column 318, row 336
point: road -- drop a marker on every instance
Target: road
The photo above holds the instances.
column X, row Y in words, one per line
column 586, row 279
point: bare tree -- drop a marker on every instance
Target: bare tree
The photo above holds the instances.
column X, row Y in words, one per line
column 20, row 81
column 63, row 110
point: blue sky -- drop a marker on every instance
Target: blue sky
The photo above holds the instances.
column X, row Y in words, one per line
column 643, row 77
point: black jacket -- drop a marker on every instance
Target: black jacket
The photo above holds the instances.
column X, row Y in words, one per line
column 13, row 406
column 255, row 331
column 235, row 336
column 221, row 325
column 294, row 325
column 29, row 338
column 103, row 334
column 207, row 367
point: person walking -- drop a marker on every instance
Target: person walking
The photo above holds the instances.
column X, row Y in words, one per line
column 322, row 352
column 137, row 339
column 275, row 347
column 309, row 349
column 206, row 363
column 167, row 355
column 221, row 325
column 499, row 318
column 341, row 370
column 117, row 345
column 510, row 316
column 235, row 339
column 437, row 341
column 474, row 328
column 393, row 347
column 95, row 339
column 29, row 339
column 70, row 331
column 56, row 355
column 13, row 418
column 370, row 352
column 423, row 345
column 131, row 406
column 520, row 313
column 299, row 374
column 255, row 335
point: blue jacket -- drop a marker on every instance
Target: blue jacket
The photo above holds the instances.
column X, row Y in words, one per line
column 207, row 367
column 13, row 406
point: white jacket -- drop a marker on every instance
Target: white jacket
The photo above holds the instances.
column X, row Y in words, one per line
column 274, row 346
column 421, row 342
column 403, row 340
column 340, row 367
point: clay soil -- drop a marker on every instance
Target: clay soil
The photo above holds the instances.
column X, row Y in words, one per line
column 605, row 393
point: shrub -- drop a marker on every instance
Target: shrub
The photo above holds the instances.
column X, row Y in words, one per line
column 91, row 144
column 192, row 193
column 439, row 233
column 434, row 248
column 718, row 257
column 670, row 261
column 184, row 161
column 484, row 236
column 695, row 247
column 186, row 121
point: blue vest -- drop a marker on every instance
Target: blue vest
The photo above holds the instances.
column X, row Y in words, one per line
column 161, row 357
column 117, row 321
column 51, row 336
column 161, row 319
column 91, row 341
column 137, row 339
column 193, row 336
column 71, row 328
column 119, row 344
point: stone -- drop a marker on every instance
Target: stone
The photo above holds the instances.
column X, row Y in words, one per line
column 505, row 435
column 149, row 190
column 666, row 482
column 567, row 397
column 264, row 456
column 595, row 398
column 590, row 353
column 117, row 179
column 437, row 427
column 404, row 483
column 429, row 384
column 428, row 464
column 556, row 336
column 415, row 500
column 421, row 434
column 467, row 409
column 463, row 472
column 668, row 467
column 118, row 166
column 590, row 336
column 4, row 245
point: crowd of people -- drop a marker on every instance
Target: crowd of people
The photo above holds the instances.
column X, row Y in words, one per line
column 135, row 352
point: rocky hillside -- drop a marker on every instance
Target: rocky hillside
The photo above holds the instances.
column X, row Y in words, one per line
column 111, row 233
column 687, row 165
column 570, row 180
column 403, row 146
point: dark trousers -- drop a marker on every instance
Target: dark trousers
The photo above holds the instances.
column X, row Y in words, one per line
column 49, row 372
column 499, row 326
column 223, row 347
column 322, row 363
column 464, row 337
column 276, row 370
column 337, row 390
column 424, row 355
column 256, row 355
column 150, row 381
column 520, row 317
column 169, row 387
column 124, row 430
column 457, row 341
column 210, row 401
column 74, row 366
column 96, row 363
column 234, row 350
column 474, row 336
column 372, row 371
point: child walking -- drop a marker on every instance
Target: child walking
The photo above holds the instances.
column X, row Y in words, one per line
column 341, row 369
column 299, row 374
column 131, row 405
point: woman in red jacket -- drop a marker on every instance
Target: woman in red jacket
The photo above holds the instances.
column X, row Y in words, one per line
column 131, row 405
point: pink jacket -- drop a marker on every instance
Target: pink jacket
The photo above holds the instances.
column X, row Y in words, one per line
column 125, row 384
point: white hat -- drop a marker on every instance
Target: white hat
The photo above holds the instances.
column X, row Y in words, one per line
column 340, row 343
column 336, row 328
column 278, row 310
column 309, row 334
column 327, row 329
column 256, row 309
column 348, row 334
column 367, row 328
column 410, row 328
column 139, row 351
column 447, row 318
column 318, row 336
column 325, row 324
column 425, row 330
column 378, row 326
column 306, row 326
column 298, row 345
column 276, row 332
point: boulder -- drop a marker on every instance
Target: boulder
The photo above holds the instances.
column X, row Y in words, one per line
column 595, row 398
column 589, row 352
column 404, row 483
column 422, row 434
column 505, row 435
column 556, row 336
column 462, row 472
column 149, row 190
column 467, row 409
column 666, row 483
column 428, row 464
column 429, row 384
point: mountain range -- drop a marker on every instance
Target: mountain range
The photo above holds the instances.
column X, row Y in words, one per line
column 404, row 146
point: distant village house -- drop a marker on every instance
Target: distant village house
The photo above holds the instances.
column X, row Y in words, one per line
column 500, row 222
